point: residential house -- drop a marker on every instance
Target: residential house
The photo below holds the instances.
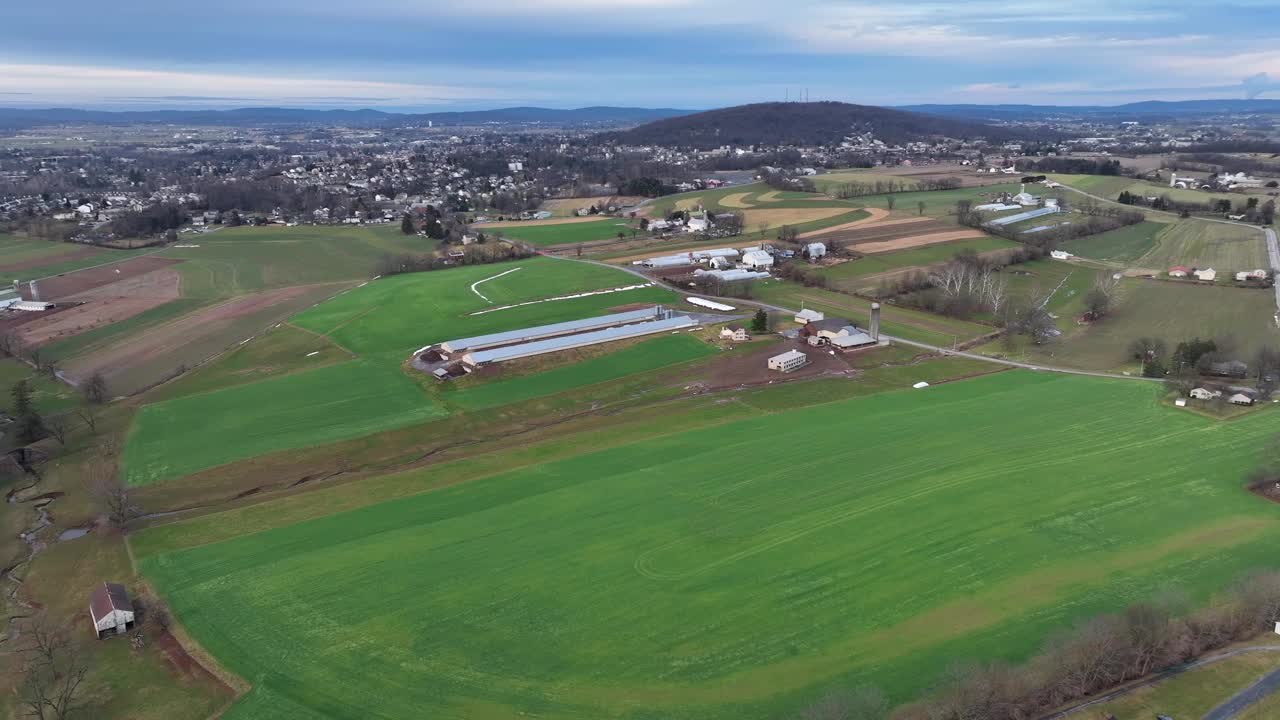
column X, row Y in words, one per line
column 1240, row 399
column 1207, row 275
column 1204, row 393
column 1247, row 275
column 736, row 334
column 1178, row 271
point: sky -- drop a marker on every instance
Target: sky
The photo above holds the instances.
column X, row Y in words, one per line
column 426, row 55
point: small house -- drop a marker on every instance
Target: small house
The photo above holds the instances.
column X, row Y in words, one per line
column 1061, row 255
column 696, row 225
column 1240, row 399
column 1207, row 275
column 1204, row 393
column 1247, row 275
column 736, row 334
column 1178, row 271
column 110, row 610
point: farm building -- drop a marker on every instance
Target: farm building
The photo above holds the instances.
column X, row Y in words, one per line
column 1242, row 276
column 733, row 275
column 9, row 299
column 1207, row 275
column 757, row 259
column 805, row 317
column 709, row 304
column 1240, row 399
column 32, row 306
column 1028, row 215
column 697, row 225
column 1204, row 393
column 1061, row 255
column 815, row 250
column 996, row 207
column 541, row 332
column 479, row 358
column 1179, row 271
column 110, row 610
column 690, row 258
column 788, row 361
column 736, row 334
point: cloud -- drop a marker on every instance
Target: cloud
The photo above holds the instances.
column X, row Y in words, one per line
column 80, row 82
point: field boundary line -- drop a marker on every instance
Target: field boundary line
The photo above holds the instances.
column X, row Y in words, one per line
column 495, row 277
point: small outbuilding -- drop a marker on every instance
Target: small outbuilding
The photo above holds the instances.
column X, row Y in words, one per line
column 804, row 317
column 1240, row 399
column 788, row 361
column 756, row 259
column 111, row 610
column 815, row 250
column 1204, row 393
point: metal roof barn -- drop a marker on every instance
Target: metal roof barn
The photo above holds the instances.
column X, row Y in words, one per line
column 480, row 342
column 709, row 304
column 1041, row 212
column 539, row 347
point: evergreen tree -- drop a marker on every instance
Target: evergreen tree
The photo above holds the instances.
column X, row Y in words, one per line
column 406, row 225
column 760, row 323
column 30, row 426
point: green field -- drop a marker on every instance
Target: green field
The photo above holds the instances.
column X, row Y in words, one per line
column 1110, row 187
column 1123, row 245
column 638, row 358
column 1189, row 695
column 220, row 414
column 735, row 571
column 1173, row 312
column 1201, row 243
column 847, row 275
column 234, row 261
column 181, row 436
column 560, row 233
column 51, row 396
column 26, row 259
column 831, row 181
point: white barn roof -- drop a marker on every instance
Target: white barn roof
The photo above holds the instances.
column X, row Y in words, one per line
column 539, row 347
column 479, row 342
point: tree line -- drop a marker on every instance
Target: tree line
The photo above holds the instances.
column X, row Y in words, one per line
column 478, row 254
column 845, row 191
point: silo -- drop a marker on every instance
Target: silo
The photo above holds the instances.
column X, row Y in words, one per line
column 875, row 321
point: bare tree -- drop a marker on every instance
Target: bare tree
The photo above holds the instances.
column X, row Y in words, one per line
column 95, row 388
column 53, row 673
column 109, row 491
column 890, row 201
column 59, row 428
column 764, row 228
column 89, row 416
column 920, row 207
column 863, row 703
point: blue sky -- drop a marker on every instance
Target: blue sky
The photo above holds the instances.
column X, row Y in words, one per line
column 445, row 54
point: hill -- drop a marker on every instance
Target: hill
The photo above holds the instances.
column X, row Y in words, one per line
column 814, row 123
column 598, row 115
column 1150, row 109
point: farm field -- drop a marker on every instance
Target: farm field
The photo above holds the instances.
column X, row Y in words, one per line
column 1191, row 694
column 27, row 259
column 853, row 274
column 1173, row 312
column 297, row 404
column 181, row 436
column 1125, row 244
column 937, row 203
column 1110, row 187
column 895, row 321
column 50, row 396
column 1200, row 243
column 549, row 232
column 619, row 582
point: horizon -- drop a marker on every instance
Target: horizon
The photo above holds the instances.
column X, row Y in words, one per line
column 692, row 54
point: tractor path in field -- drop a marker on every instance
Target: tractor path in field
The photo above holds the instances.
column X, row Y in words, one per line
column 935, row 348
column 1241, row 701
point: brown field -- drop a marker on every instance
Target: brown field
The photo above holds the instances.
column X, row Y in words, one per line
column 549, row 221
column 74, row 283
column 738, row 369
column 736, row 200
column 788, row 216
column 155, row 354
column 771, row 196
column 913, row 241
column 105, row 305
column 689, row 203
column 874, row 215
column 81, row 252
column 887, row 230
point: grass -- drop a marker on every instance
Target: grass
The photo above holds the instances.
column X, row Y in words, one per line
column 562, row 233
column 738, row 570
column 279, row 351
column 51, row 396
column 937, row 203
column 235, row 261
column 1173, row 312
column 1123, row 245
column 1201, row 243
column 900, row 322
column 1191, row 694
column 42, row 258
column 1110, row 187
column 382, row 323
column 638, row 358
column 181, row 436
column 842, row 274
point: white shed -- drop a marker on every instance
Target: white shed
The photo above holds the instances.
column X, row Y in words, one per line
column 807, row 316
column 110, row 610
column 788, row 361
column 1208, row 274
column 816, row 250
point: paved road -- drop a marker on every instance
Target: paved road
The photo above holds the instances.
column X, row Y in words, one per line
column 1239, row 702
column 912, row 343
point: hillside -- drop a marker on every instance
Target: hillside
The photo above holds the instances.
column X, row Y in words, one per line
column 815, row 123
column 1147, row 110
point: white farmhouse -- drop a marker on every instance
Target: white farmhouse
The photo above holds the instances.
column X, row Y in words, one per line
column 110, row 610
column 1207, row 275
column 1204, row 393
